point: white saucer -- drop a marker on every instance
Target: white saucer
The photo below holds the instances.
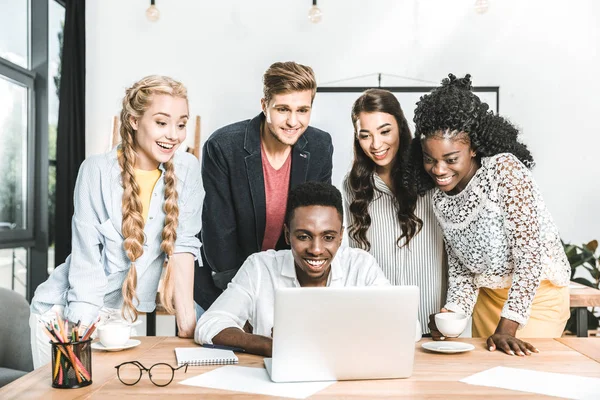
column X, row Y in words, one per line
column 129, row 344
column 448, row 347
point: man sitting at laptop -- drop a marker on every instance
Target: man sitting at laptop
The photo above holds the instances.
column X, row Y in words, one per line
column 313, row 228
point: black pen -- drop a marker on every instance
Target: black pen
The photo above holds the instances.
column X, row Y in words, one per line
column 223, row 347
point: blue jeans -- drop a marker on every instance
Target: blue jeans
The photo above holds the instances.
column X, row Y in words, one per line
column 199, row 311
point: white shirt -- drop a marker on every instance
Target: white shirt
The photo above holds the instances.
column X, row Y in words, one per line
column 250, row 296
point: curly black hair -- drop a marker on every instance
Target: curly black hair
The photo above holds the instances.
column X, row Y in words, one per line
column 360, row 178
column 313, row 194
column 454, row 109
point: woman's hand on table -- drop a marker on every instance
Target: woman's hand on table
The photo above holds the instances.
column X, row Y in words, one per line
column 187, row 332
column 504, row 339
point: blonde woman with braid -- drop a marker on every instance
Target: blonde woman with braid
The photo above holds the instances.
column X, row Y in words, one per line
column 137, row 208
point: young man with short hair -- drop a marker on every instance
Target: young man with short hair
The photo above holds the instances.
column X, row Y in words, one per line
column 248, row 168
column 314, row 229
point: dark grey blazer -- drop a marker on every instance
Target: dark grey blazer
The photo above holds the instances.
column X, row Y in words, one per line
column 234, row 210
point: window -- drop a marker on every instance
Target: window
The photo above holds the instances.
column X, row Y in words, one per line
column 25, row 119
column 16, row 155
column 13, row 269
column 13, row 155
column 14, row 31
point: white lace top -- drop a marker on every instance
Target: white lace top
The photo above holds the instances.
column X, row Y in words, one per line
column 499, row 234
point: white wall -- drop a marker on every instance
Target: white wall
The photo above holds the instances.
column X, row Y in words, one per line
column 542, row 55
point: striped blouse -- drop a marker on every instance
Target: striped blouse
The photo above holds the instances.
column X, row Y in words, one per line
column 422, row 263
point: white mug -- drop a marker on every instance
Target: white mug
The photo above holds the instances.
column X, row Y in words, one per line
column 451, row 324
column 114, row 334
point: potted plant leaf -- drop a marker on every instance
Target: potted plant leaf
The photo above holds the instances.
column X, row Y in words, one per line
column 584, row 257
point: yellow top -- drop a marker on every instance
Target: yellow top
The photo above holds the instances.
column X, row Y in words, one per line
column 146, row 180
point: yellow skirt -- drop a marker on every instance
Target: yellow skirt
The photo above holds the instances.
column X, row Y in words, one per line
column 549, row 312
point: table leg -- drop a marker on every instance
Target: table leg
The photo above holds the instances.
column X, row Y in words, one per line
column 151, row 324
column 581, row 317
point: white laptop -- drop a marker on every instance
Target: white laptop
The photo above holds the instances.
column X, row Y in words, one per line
column 323, row 334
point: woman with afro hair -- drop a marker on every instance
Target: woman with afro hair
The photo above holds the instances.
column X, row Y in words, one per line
column 506, row 264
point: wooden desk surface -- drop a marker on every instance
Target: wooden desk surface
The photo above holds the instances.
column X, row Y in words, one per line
column 583, row 296
column 435, row 375
column 589, row 347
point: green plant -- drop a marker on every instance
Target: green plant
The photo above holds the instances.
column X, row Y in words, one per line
column 584, row 257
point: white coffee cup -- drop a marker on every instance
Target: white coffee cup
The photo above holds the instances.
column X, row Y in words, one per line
column 114, row 334
column 451, row 324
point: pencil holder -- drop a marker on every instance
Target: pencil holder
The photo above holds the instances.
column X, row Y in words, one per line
column 71, row 364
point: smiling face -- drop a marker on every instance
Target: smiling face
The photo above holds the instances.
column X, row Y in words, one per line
column 379, row 137
column 450, row 162
column 287, row 116
column 315, row 235
column 160, row 131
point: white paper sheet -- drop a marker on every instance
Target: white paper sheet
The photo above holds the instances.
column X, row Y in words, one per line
column 253, row 380
column 548, row 383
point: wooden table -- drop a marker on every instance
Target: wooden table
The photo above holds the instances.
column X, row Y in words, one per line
column 582, row 297
column 588, row 347
column 435, row 376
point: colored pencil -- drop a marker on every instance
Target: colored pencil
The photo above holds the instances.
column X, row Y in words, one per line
column 90, row 331
column 56, row 363
column 61, row 338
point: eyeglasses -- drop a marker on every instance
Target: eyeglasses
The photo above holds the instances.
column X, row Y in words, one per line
column 161, row 374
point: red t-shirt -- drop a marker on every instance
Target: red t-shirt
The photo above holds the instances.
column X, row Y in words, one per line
column 277, row 183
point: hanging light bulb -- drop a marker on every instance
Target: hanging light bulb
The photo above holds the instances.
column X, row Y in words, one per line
column 481, row 6
column 314, row 14
column 152, row 12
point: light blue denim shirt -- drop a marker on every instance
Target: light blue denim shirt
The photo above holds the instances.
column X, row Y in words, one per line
column 92, row 276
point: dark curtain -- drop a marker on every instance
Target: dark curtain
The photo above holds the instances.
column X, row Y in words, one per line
column 70, row 142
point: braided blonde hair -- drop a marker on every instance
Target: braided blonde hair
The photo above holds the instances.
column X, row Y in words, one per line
column 135, row 103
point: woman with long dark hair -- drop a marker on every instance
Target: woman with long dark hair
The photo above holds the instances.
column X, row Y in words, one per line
column 385, row 215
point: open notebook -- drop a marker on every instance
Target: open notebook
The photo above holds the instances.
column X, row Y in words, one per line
column 204, row 356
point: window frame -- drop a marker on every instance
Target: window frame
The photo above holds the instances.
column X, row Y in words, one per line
column 34, row 237
column 23, row 237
